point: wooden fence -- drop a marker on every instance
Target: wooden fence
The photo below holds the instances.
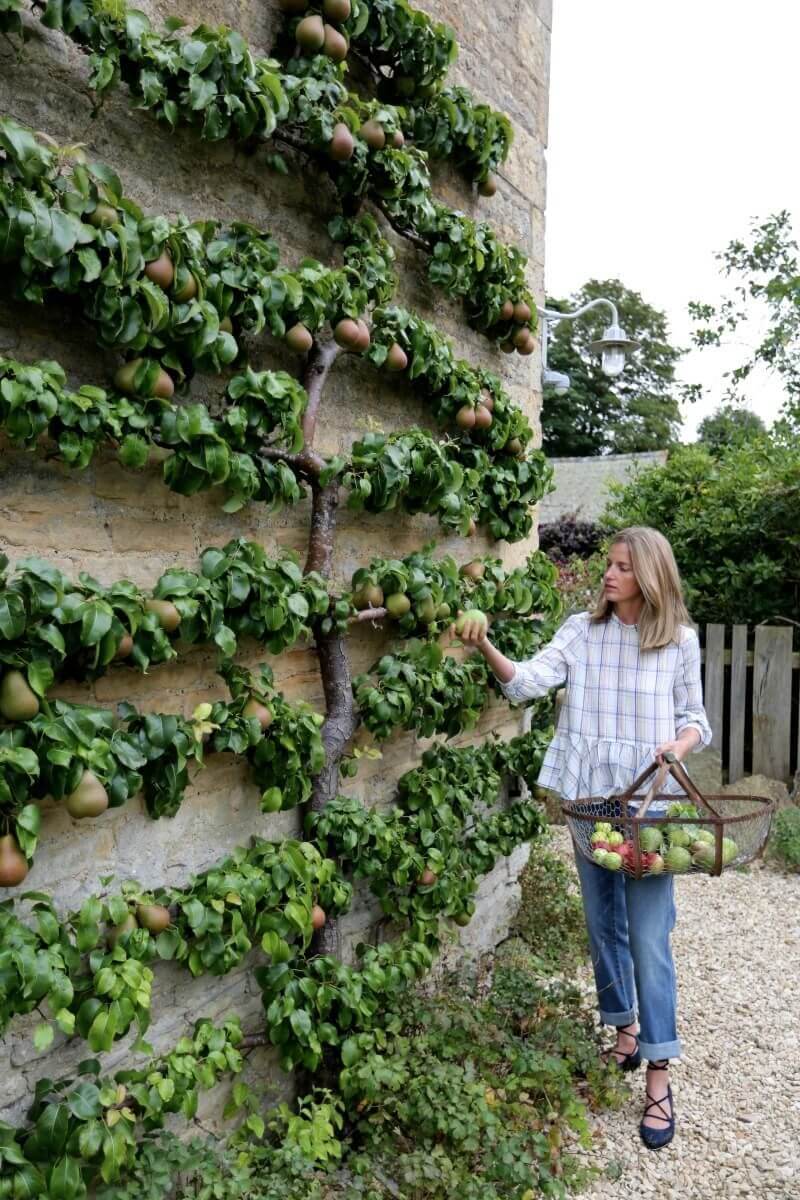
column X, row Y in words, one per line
column 751, row 697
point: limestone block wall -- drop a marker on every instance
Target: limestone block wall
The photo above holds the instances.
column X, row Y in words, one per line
column 115, row 524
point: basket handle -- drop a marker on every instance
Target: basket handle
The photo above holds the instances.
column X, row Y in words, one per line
column 655, row 788
column 684, row 779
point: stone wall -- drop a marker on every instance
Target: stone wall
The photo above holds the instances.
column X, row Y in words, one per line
column 113, row 523
column 581, row 483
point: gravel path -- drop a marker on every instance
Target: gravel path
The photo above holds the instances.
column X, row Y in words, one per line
column 737, row 1088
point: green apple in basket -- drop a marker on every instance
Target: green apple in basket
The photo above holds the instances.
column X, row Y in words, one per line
column 600, row 856
column 705, row 835
column 678, row 836
column 615, row 838
column 704, row 855
column 613, row 861
column 650, row 838
column 677, row 859
column 729, row 850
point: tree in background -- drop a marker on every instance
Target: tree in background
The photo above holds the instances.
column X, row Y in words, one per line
column 764, row 272
column 732, row 522
column 729, row 425
column 637, row 411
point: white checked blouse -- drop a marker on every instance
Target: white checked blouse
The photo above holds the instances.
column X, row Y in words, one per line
column 620, row 703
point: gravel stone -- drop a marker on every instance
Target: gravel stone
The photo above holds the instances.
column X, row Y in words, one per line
column 737, row 1089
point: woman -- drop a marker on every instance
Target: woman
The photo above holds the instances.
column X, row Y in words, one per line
column 632, row 674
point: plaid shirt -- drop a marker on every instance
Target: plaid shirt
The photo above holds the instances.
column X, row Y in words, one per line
column 620, row 703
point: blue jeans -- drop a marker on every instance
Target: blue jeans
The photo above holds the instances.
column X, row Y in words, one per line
column 629, row 923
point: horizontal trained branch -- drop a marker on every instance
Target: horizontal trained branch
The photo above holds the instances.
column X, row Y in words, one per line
column 218, row 85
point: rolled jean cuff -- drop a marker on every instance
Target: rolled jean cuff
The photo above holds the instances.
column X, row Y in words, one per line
column 656, row 1050
column 622, row 1018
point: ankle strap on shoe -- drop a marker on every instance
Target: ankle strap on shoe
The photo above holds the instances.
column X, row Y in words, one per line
column 660, row 1064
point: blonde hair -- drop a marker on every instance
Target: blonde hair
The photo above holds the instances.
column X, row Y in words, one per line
column 656, row 573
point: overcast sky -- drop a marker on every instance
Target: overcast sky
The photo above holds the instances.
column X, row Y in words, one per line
column 671, row 126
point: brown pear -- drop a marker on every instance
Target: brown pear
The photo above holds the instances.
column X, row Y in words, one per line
column 161, row 271
column 310, row 34
column 298, row 338
column 318, row 917
column 396, row 359
column 488, row 186
column 187, row 289
column 254, row 708
column 153, row 917
column 373, row 134
column 529, row 345
column 341, row 145
column 483, row 418
column 465, row 417
column 507, row 311
column 507, row 347
column 13, row 863
column 427, row 878
column 364, row 338
column 163, row 387
column 89, row 799
column 124, row 646
column 226, row 325
column 103, row 216
column 125, row 926
column 336, row 10
column 18, row 702
column 473, row 570
column 347, row 334
column 522, row 312
column 168, row 616
column 335, row 44
column 487, row 400
column 398, row 139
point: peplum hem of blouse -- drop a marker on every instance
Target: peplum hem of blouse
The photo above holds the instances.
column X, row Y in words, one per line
column 578, row 767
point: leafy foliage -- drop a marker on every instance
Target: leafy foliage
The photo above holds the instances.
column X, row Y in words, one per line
column 569, row 536
column 728, row 425
column 732, row 524
column 210, row 79
column 637, row 411
column 550, row 917
column 764, row 267
column 435, row 825
column 784, row 842
column 83, row 1131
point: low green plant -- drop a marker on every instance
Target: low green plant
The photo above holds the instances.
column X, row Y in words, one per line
column 550, row 917
column 784, row 843
column 481, row 1096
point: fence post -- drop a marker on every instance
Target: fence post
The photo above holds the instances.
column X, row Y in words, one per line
column 772, row 701
column 714, row 682
column 738, row 703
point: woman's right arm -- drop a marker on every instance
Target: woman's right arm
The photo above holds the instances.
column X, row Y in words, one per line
column 536, row 676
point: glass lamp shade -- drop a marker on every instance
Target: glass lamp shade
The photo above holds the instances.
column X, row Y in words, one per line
column 612, row 361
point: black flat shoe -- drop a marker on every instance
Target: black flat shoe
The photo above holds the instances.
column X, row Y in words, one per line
column 656, row 1139
column 630, row 1062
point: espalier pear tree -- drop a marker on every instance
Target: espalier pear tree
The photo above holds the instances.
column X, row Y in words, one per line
column 171, row 298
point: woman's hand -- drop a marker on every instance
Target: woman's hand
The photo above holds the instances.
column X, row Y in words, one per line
column 473, row 631
column 679, row 746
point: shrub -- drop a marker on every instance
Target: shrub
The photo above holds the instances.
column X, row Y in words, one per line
column 732, row 522
column 550, row 917
column 784, row 842
column 568, row 536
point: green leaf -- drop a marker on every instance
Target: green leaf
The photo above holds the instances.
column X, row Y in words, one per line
column 43, row 1036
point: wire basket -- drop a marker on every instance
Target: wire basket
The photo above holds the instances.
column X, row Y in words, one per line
column 696, row 833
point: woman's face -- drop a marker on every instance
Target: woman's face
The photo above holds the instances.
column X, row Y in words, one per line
column 619, row 580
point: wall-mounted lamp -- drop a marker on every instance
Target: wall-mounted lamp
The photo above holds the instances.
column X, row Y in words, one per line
column 612, row 346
